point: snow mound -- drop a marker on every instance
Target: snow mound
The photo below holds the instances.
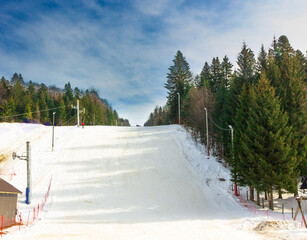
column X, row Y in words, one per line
column 269, row 225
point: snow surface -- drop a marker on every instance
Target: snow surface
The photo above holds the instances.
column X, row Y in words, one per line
column 123, row 183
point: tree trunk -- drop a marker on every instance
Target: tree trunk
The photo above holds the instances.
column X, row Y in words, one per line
column 279, row 194
column 236, row 189
column 296, row 193
column 251, row 189
column 271, row 199
column 265, row 195
column 258, row 198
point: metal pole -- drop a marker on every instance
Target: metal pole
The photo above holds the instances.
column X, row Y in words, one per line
column 178, row 107
column 53, row 131
column 233, row 155
column 78, row 117
column 231, row 129
column 29, row 185
column 207, row 129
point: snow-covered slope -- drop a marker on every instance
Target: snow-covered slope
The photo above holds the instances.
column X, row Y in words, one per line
column 124, row 183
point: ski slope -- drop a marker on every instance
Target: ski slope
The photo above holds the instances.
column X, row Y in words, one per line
column 122, row 183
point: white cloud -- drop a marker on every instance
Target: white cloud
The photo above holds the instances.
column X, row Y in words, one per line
column 114, row 53
column 157, row 7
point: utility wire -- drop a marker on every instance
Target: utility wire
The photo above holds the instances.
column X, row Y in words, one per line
column 225, row 129
column 16, row 115
column 70, row 119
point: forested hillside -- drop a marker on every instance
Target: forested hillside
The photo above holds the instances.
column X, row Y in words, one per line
column 35, row 103
column 263, row 101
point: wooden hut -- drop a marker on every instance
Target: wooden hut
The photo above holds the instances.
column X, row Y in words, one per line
column 8, row 203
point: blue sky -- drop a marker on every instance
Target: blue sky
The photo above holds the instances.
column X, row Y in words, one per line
column 124, row 48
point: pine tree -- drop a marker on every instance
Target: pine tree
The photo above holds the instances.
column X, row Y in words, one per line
column 205, row 76
column 5, row 110
column 270, row 159
column 216, row 75
column 240, row 125
column 242, row 78
column 28, row 106
column 77, row 93
column 261, row 64
column 226, row 72
column 60, row 112
column 17, row 92
column 4, row 90
column 37, row 114
column 178, row 81
column 44, row 115
column 68, row 92
column 287, row 74
column 246, row 62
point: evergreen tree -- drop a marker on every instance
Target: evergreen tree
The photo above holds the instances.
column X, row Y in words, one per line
column 28, row 106
column 261, row 64
column 243, row 78
column 17, row 92
column 216, row 75
column 15, row 79
column 178, row 81
column 5, row 111
column 287, row 74
column 226, row 72
column 270, row 159
column 4, row 90
column 68, row 92
column 32, row 91
column 44, row 115
column 37, row 114
column 77, row 93
column 246, row 62
column 205, row 76
column 240, row 124
column 60, row 112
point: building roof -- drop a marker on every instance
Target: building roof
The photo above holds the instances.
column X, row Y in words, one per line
column 5, row 187
column 304, row 184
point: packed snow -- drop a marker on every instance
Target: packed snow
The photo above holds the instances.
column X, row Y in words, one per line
column 124, row 183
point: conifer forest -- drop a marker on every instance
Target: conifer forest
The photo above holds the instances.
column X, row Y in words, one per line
column 35, row 103
column 263, row 101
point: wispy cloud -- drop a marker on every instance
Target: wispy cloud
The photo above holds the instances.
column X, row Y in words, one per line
column 124, row 48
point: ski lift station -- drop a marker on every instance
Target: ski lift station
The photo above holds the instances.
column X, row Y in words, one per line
column 8, row 203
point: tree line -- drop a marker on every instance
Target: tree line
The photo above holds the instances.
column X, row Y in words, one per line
column 263, row 100
column 35, row 103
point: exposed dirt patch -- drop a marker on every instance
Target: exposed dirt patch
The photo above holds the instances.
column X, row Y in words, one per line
column 280, row 230
column 3, row 157
column 268, row 226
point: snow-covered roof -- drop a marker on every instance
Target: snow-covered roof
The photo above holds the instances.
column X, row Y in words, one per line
column 5, row 187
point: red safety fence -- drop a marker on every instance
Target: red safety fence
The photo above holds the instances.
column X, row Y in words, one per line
column 268, row 213
column 31, row 216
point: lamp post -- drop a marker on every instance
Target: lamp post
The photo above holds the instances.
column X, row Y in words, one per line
column 207, row 130
column 233, row 157
column 178, row 107
column 78, row 114
column 53, row 130
column 27, row 158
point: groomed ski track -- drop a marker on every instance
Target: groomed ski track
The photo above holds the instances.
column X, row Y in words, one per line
column 128, row 183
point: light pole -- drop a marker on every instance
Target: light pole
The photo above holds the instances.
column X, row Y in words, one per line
column 53, row 130
column 29, row 181
column 178, row 107
column 78, row 114
column 207, row 131
column 233, row 157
